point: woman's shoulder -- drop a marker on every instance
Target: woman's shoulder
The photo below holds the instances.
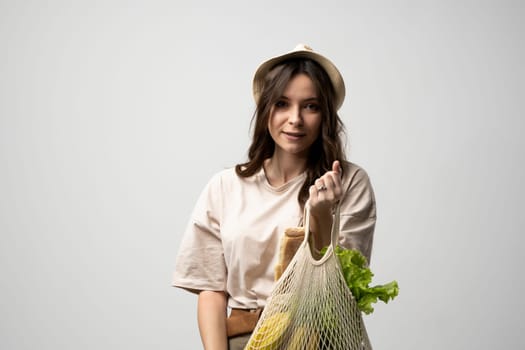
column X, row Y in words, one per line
column 353, row 171
column 228, row 177
column 222, row 176
column 226, row 173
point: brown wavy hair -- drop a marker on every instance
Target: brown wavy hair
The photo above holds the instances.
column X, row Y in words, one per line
column 327, row 148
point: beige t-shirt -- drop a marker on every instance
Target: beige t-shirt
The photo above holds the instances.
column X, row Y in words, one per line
column 231, row 243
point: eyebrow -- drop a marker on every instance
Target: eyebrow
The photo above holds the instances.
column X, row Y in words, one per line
column 309, row 99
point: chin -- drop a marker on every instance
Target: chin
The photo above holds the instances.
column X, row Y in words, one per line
column 298, row 152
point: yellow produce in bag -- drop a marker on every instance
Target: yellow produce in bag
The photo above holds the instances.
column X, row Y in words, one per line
column 270, row 332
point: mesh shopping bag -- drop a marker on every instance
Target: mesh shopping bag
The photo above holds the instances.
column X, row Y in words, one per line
column 310, row 306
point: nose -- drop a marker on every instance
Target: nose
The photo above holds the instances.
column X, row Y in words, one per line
column 294, row 115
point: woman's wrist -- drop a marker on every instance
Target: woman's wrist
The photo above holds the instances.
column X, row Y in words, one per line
column 320, row 228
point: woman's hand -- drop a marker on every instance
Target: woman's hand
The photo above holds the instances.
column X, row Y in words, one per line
column 326, row 191
column 324, row 194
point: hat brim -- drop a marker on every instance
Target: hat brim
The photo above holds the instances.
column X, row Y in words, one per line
column 332, row 71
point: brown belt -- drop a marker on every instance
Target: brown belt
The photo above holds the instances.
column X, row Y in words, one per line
column 242, row 321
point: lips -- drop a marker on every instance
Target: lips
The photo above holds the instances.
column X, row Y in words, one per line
column 294, row 135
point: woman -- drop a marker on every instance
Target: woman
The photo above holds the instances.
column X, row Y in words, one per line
column 231, row 244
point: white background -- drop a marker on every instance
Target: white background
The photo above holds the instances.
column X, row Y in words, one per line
column 113, row 115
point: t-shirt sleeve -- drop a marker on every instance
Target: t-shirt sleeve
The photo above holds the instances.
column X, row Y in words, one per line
column 200, row 262
column 358, row 214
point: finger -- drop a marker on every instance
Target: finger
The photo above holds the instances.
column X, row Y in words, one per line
column 333, row 188
column 336, row 167
column 313, row 191
column 329, row 181
column 332, row 181
column 332, row 176
column 320, row 185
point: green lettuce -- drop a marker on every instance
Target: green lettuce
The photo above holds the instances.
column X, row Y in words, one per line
column 358, row 277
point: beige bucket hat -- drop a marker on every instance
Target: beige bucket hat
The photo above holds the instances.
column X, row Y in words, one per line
column 303, row 51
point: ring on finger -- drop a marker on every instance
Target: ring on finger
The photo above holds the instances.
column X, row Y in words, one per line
column 321, row 188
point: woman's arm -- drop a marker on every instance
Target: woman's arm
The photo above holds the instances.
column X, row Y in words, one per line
column 211, row 315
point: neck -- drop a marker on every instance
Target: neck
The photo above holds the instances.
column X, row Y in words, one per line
column 280, row 169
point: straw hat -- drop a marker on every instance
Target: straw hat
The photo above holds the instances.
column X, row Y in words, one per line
column 303, row 51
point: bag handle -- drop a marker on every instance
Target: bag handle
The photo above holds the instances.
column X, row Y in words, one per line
column 334, row 235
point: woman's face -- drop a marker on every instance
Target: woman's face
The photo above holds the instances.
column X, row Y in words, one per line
column 295, row 119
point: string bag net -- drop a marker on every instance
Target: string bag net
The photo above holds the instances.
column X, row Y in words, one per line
column 310, row 306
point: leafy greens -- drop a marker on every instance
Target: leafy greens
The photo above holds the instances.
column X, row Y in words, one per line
column 358, row 277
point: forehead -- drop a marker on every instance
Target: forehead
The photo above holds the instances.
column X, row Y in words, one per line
column 300, row 85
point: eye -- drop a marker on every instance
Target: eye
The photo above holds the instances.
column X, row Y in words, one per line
column 314, row 107
column 281, row 104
